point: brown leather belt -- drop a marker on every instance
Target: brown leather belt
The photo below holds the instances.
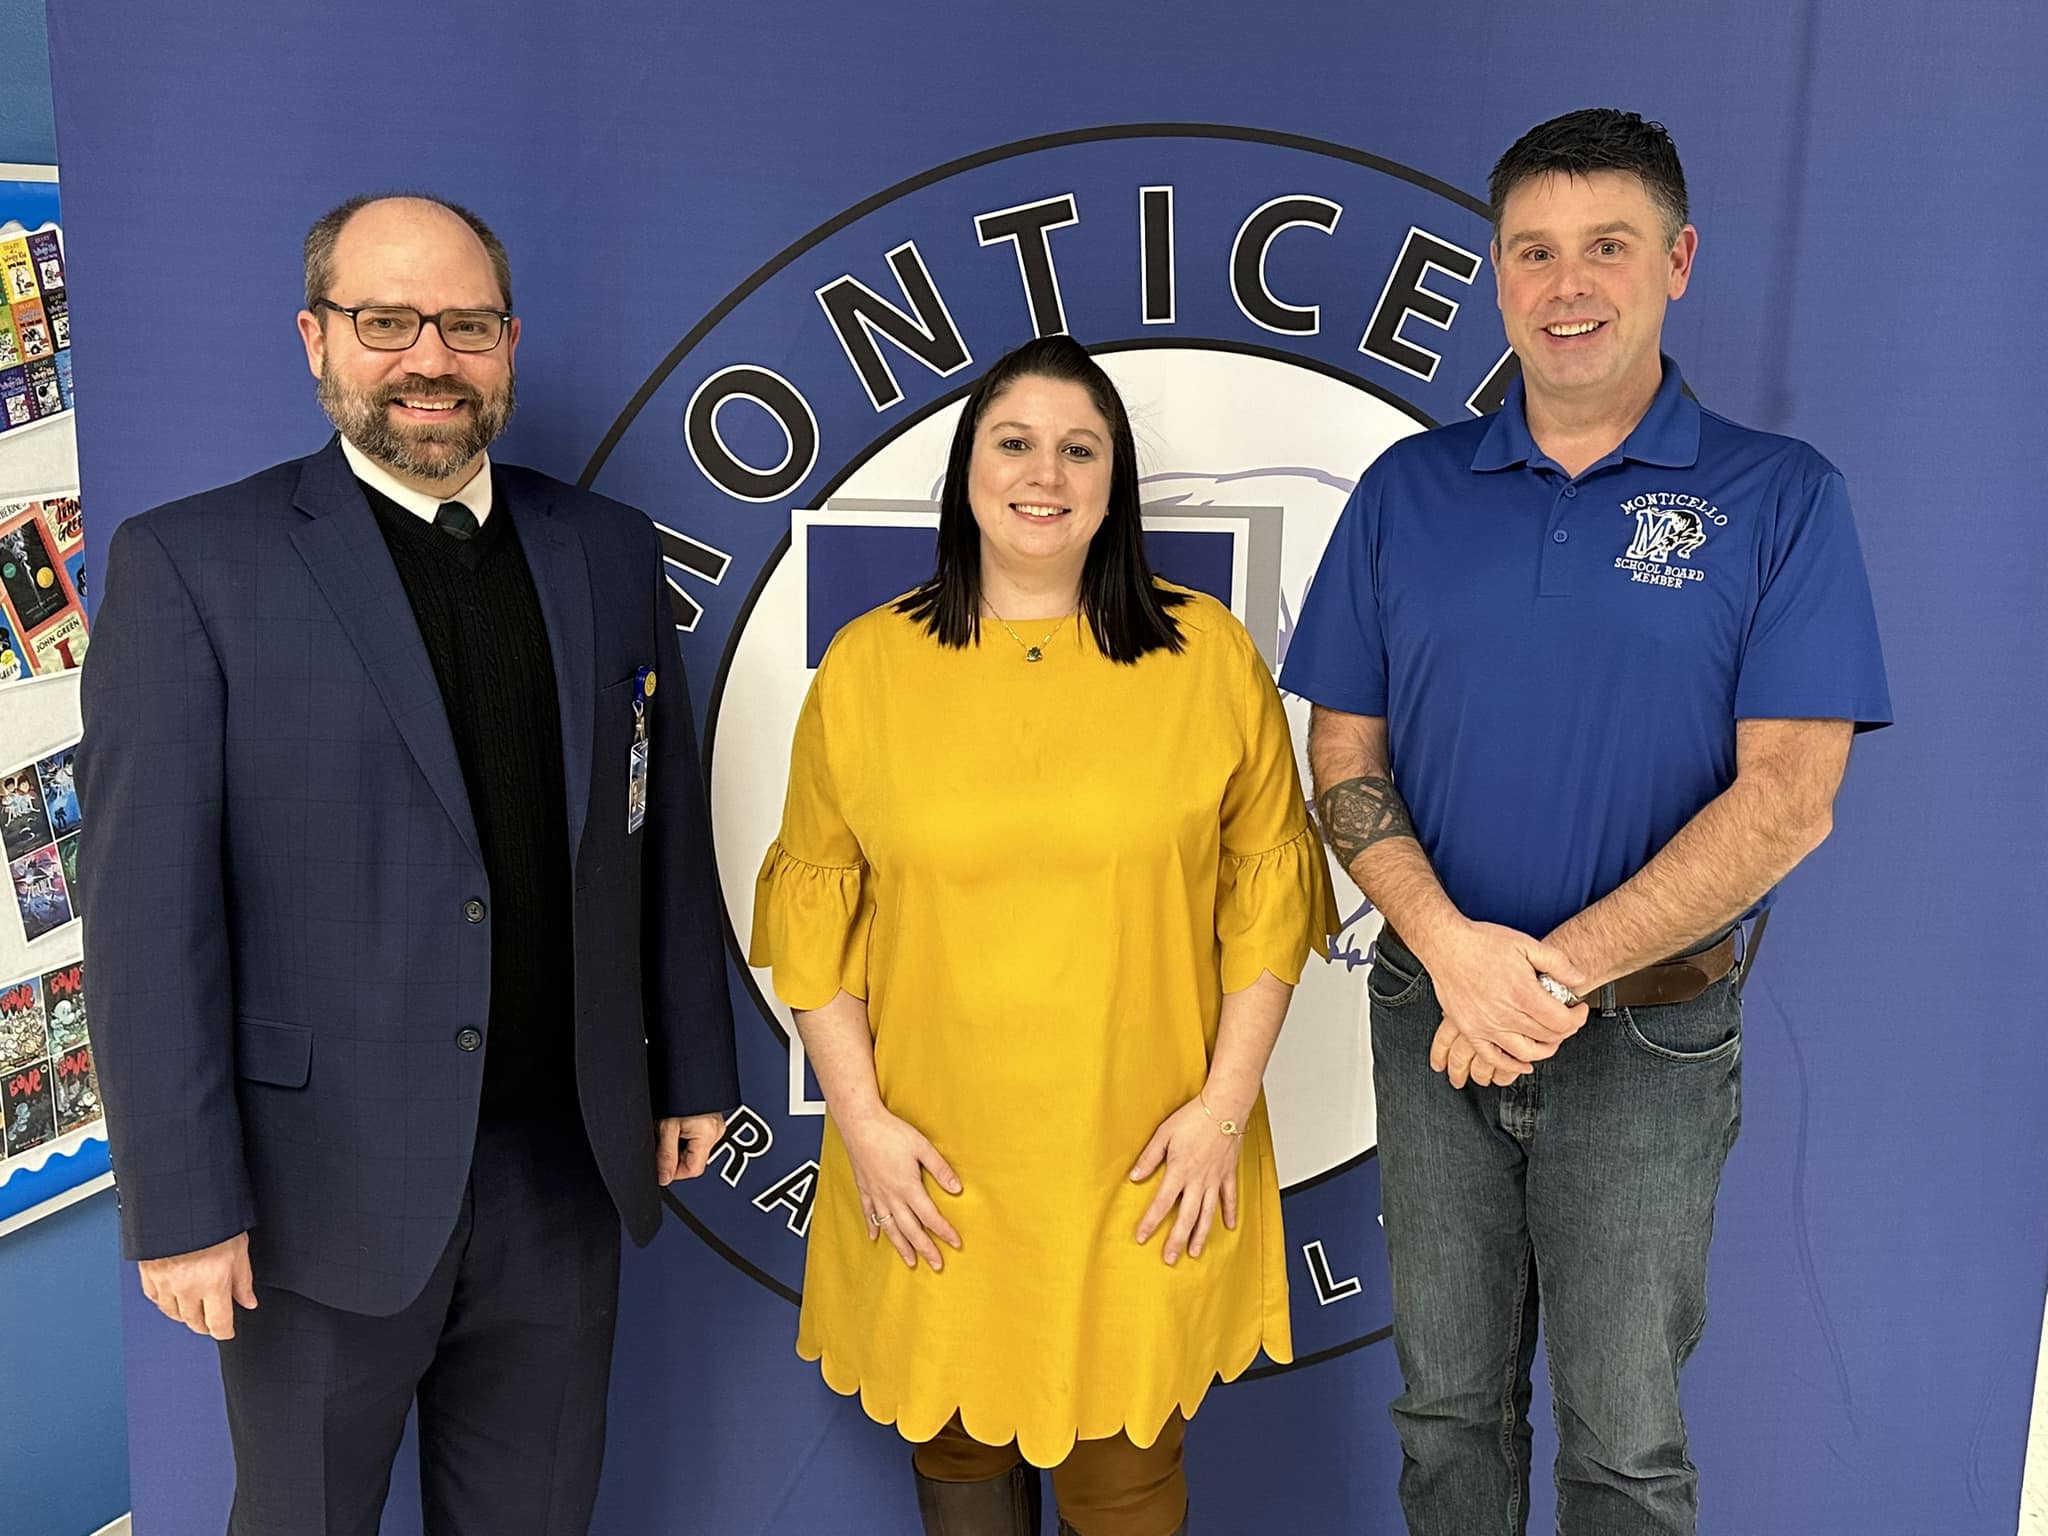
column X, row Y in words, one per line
column 1677, row 980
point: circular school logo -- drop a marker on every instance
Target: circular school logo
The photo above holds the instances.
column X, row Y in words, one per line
column 1275, row 310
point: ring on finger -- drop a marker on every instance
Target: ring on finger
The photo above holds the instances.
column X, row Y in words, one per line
column 881, row 1220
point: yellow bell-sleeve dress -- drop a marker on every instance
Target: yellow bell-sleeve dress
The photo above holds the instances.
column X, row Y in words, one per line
column 1042, row 877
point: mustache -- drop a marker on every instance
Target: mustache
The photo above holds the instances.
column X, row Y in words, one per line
column 447, row 386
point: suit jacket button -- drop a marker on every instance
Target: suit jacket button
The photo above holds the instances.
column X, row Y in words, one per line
column 473, row 910
column 469, row 1039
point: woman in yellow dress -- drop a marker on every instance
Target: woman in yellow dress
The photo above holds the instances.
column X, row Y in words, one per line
column 1044, row 884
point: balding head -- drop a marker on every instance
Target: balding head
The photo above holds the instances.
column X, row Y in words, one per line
column 431, row 226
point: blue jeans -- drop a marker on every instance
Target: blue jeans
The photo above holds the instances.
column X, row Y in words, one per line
column 1587, row 1186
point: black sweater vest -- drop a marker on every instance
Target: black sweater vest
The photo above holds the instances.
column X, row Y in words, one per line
column 481, row 620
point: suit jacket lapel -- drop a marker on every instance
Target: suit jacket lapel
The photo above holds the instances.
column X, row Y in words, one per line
column 340, row 541
column 561, row 580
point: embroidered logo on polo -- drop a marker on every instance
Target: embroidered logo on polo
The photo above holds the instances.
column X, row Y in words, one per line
column 1670, row 526
column 1276, row 311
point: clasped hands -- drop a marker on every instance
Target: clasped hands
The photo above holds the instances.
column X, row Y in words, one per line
column 1498, row 1018
column 891, row 1157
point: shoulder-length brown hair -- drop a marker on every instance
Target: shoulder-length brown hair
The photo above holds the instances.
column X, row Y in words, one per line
column 1127, row 611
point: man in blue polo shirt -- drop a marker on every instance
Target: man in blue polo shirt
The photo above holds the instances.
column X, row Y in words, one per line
column 1585, row 674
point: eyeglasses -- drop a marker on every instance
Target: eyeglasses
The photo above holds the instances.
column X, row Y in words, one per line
column 395, row 327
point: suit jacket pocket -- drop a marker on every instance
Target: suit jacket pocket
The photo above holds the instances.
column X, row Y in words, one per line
column 267, row 1052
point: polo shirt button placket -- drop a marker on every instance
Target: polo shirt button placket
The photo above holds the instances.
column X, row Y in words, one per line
column 1556, row 576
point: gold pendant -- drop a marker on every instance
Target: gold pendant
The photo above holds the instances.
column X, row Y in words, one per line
column 1034, row 654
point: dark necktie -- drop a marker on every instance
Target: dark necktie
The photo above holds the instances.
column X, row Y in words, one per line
column 456, row 520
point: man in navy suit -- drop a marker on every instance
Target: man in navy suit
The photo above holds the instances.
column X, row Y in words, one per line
column 408, row 978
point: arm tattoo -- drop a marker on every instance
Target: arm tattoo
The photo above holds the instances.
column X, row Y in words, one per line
column 1360, row 812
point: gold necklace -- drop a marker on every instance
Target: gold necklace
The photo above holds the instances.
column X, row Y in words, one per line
column 1031, row 652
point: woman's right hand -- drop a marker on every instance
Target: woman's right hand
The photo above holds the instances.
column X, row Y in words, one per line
column 890, row 1157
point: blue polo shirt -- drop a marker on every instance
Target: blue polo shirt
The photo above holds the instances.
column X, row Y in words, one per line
column 1561, row 662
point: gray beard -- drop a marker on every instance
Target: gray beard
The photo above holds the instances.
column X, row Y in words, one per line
column 429, row 451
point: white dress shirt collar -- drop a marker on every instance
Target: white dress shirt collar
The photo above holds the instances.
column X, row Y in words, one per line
column 476, row 495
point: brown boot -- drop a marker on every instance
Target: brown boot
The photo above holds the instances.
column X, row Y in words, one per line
column 1178, row 1530
column 1009, row 1505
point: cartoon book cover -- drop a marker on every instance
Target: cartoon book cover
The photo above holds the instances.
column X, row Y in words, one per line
column 58, row 308
column 46, row 254
column 64, row 1008
column 24, row 1028
column 45, row 389
column 29, row 579
column 30, row 1107
column 14, row 408
column 59, row 778
column 13, row 659
column 41, row 892
column 64, row 378
column 17, row 271
column 32, row 325
column 10, row 340
column 24, row 820
column 77, row 1089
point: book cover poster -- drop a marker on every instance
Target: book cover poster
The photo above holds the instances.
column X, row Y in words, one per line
column 57, row 774
column 30, row 1106
column 42, row 563
column 35, row 589
column 41, row 892
column 14, row 406
column 24, row 1028
column 76, row 1089
column 64, row 1008
column 24, row 819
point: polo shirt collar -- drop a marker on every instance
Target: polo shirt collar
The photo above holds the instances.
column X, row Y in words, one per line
column 1668, row 435
column 476, row 495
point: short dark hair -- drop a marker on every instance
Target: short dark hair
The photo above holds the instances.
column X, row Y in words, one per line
column 1595, row 139
column 1125, row 608
column 326, row 230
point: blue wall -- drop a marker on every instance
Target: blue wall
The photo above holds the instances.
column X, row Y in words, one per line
column 28, row 126
column 63, row 1437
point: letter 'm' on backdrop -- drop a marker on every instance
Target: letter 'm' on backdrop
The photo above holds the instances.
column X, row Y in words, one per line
column 761, row 250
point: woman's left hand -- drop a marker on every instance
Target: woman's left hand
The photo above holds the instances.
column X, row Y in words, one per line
column 1201, row 1177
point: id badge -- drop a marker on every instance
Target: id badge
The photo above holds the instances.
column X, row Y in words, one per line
column 636, row 756
column 636, row 771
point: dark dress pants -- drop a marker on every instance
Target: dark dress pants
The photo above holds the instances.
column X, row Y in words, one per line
column 508, row 1352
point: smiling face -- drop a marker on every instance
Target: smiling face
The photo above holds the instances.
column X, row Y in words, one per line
column 425, row 413
column 1039, row 483
column 1584, row 269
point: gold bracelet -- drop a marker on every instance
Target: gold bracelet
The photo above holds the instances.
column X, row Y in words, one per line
column 1227, row 1127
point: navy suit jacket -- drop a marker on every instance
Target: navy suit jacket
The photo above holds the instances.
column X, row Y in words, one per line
column 279, row 854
